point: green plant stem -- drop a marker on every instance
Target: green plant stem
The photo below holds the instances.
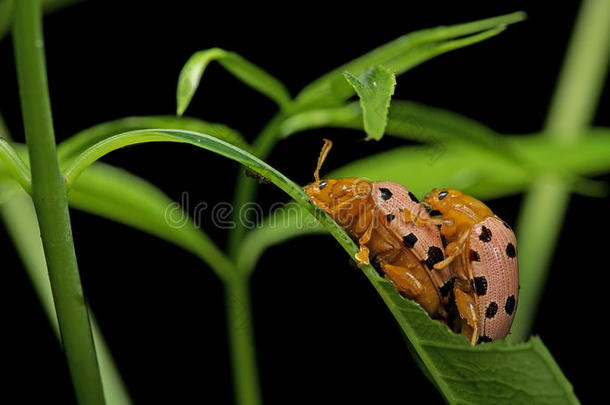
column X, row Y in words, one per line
column 241, row 339
column 51, row 203
column 572, row 109
column 47, row 5
column 245, row 189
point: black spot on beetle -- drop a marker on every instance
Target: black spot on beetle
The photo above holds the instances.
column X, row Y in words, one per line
column 510, row 250
column 434, row 213
column 435, row 255
column 479, row 284
column 443, row 194
column 484, row 339
column 474, row 256
column 492, row 308
column 413, row 197
column 390, row 217
column 385, row 193
column 322, row 184
column 485, row 235
column 444, row 241
column 410, row 240
column 447, row 287
column 510, row 305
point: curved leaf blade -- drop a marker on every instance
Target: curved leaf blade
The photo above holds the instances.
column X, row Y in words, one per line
column 247, row 72
column 442, row 353
column 374, row 88
column 402, row 54
column 82, row 140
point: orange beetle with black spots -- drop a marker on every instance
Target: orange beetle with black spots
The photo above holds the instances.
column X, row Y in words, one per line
column 373, row 213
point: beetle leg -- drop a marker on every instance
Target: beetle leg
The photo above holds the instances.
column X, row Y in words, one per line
column 468, row 312
column 363, row 255
column 403, row 279
column 452, row 250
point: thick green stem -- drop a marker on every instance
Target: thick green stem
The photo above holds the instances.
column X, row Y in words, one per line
column 572, row 109
column 51, row 203
column 241, row 339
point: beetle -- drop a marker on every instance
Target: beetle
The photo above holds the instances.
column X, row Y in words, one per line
column 482, row 255
column 373, row 214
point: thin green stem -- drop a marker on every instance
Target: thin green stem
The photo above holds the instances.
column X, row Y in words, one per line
column 572, row 110
column 245, row 374
column 241, row 339
column 245, row 189
column 51, row 203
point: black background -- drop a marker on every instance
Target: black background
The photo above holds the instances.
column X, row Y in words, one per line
column 322, row 333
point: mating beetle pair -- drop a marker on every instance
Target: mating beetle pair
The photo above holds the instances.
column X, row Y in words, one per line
column 449, row 253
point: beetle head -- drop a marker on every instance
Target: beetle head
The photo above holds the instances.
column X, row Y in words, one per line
column 334, row 194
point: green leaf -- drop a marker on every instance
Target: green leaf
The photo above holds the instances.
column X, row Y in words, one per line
column 15, row 166
column 478, row 172
column 482, row 374
column 116, row 194
column 375, row 88
column 406, row 119
column 77, row 143
column 401, row 55
column 463, row 373
column 250, row 74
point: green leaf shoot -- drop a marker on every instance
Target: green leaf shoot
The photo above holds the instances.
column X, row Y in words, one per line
column 374, row 88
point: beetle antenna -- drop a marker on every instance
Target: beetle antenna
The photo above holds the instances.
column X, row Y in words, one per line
column 323, row 153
